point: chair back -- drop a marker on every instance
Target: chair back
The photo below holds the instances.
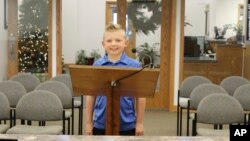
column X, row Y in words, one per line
column 190, row 83
column 64, row 78
column 220, row 109
column 242, row 94
column 13, row 90
column 40, row 105
column 60, row 89
column 4, row 107
column 202, row 91
column 231, row 83
column 28, row 80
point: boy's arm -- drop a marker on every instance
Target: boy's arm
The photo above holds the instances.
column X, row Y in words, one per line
column 140, row 109
column 90, row 101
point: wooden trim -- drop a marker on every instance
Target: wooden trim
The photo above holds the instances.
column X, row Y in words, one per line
column 181, row 72
column 50, row 18
column 247, row 62
column 58, row 36
column 167, row 52
column 108, row 11
column 121, row 19
column 121, row 12
column 164, row 98
column 12, row 29
column 172, row 56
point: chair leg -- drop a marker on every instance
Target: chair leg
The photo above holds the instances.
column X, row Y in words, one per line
column 22, row 122
column 29, row 122
column 79, row 121
column 63, row 122
column 245, row 119
column 248, row 121
column 72, row 119
column 178, row 118
column 68, row 126
column 188, row 118
column 181, row 121
column 80, row 116
column 14, row 113
column 194, row 127
column 11, row 118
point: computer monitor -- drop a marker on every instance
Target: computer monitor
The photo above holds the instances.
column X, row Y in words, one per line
column 193, row 45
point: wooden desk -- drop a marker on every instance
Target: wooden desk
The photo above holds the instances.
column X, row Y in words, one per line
column 228, row 62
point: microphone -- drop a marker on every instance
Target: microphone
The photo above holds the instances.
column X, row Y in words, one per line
column 114, row 83
column 150, row 64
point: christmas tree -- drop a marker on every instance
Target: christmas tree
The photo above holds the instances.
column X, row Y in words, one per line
column 33, row 36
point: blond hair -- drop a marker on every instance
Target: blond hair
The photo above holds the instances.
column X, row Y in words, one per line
column 113, row 28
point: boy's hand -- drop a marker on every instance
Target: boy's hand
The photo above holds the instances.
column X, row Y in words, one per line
column 139, row 131
column 89, row 129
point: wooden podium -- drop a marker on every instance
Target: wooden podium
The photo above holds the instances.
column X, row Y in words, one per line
column 113, row 82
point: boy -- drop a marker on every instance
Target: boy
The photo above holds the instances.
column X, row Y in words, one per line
column 131, row 123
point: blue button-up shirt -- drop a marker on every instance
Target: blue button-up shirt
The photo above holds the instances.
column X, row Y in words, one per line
column 127, row 111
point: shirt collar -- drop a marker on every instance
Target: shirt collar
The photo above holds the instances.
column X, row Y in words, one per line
column 123, row 59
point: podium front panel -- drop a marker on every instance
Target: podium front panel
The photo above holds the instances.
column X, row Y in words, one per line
column 95, row 80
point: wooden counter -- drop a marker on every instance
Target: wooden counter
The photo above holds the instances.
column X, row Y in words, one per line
column 228, row 62
column 21, row 137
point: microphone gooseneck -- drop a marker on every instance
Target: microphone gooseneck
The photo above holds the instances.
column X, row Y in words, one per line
column 114, row 83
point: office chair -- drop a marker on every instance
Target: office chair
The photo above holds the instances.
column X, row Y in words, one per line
column 187, row 85
column 28, row 80
column 78, row 101
column 5, row 113
column 217, row 109
column 231, row 83
column 198, row 94
column 39, row 105
column 14, row 91
column 63, row 92
column 242, row 94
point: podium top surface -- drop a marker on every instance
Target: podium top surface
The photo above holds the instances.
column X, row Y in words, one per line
column 96, row 80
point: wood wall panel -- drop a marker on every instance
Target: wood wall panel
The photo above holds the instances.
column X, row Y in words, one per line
column 58, row 37
column 229, row 62
column 247, row 62
column 164, row 98
column 12, row 29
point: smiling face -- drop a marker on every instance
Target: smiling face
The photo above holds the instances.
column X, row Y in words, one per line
column 114, row 43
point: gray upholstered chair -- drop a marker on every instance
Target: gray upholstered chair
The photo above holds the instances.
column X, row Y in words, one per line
column 39, row 105
column 4, row 113
column 28, row 80
column 63, row 92
column 198, row 94
column 231, row 83
column 242, row 94
column 14, row 92
column 217, row 109
column 186, row 87
column 78, row 101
